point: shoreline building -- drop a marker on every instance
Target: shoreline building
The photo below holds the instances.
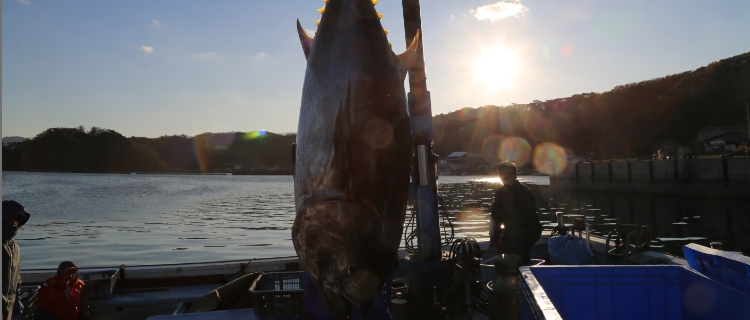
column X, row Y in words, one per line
column 465, row 161
column 732, row 133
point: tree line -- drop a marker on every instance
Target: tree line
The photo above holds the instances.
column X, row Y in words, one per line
column 103, row 150
column 631, row 120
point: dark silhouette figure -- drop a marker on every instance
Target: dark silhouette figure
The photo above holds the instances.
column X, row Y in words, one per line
column 14, row 216
column 515, row 210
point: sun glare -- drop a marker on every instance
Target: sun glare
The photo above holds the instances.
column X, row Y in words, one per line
column 496, row 67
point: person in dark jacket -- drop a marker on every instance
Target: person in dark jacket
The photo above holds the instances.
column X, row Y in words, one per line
column 61, row 299
column 14, row 216
column 514, row 222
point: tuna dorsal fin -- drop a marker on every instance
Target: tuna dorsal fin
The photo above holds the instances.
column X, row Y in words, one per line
column 305, row 39
column 406, row 59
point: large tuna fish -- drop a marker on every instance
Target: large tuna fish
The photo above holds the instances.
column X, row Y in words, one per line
column 353, row 156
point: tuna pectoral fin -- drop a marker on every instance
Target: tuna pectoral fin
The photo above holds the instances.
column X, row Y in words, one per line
column 407, row 59
column 305, row 39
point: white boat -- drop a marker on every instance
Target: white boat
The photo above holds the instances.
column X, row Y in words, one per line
column 151, row 290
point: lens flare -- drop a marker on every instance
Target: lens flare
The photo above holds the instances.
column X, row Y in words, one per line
column 255, row 134
column 468, row 214
column 545, row 52
column 516, row 150
column 200, row 147
column 550, row 158
column 378, row 134
column 491, row 148
column 566, row 50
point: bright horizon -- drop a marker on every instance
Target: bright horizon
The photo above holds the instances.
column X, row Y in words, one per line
column 146, row 68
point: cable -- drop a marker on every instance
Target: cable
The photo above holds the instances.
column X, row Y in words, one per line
column 480, row 306
column 410, row 231
column 447, row 238
column 466, row 248
column 410, row 227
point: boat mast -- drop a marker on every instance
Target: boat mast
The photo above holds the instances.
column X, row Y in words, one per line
column 429, row 266
column 423, row 168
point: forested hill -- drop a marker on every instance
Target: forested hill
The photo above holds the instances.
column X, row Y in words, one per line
column 102, row 150
column 631, row 120
column 628, row 121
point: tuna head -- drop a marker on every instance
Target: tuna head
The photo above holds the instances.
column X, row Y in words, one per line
column 353, row 156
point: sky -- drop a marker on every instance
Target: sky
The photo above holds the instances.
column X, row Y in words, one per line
column 153, row 68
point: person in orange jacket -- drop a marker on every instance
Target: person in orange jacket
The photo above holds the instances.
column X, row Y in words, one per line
column 61, row 299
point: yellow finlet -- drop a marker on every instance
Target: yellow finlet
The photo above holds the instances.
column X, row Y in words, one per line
column 321, row 10
column 385, row 31
column 325, row 1
column 317, row 23
column 380, row 15
column 374, row 2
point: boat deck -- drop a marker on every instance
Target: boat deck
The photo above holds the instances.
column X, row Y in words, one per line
column 145, row 291
column 239, row 314
column 150, row 301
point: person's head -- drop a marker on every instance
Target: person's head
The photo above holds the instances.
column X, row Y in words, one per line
column 14, row 216
column 67, row 271
column 508, row 172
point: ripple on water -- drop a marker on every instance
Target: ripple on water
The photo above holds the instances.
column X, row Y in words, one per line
column 107, row 220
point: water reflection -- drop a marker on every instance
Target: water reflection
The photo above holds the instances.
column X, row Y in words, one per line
column 108, row 220
column 675, row 221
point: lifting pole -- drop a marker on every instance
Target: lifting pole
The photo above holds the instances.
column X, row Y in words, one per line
column 428, row 267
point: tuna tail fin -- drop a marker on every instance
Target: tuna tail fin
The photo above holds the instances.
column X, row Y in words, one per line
column 305, row 39
column 407, row 59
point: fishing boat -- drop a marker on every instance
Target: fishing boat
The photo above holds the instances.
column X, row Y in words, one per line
column 228, row 289
column 143, row 292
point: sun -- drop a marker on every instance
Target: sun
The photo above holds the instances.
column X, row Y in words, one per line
column 496, row 67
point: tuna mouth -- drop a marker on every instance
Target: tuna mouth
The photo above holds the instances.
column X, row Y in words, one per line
column 339, row 306
column 338, row 289
column 348, row 298
column 361, row 306
column 339, row 243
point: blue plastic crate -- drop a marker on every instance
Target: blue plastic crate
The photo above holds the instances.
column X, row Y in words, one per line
column 729, row 268
column 487, row 270
column 628, row 292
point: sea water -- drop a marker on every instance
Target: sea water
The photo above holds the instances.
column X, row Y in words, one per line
column 107, row 220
